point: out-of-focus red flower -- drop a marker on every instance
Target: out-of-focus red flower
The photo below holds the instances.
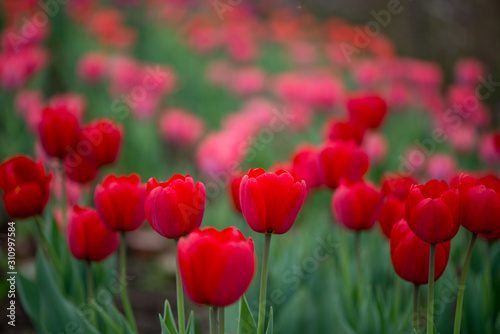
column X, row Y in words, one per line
column 367, row 109
column 88, row 238
column 175, row 208
column 488, row 151
column 103, row 136
column 93, row 67
column 441, row 166
column 29, row 103
column 79, row 169
column 234, row 189
column 410, row 255
column 468, row 71
column 119, row 200
column 179, row 127
column 395, row 190
column 216, row 267
column 356, row 206
column 480, row 203
column 270, row 202
column 376, row 146
column 304, row 163
column 344, row 130
column 432, row 211
column 74, row 103
column 25, row 186
column 58, row 130
column 107, row 25
column 338, row 160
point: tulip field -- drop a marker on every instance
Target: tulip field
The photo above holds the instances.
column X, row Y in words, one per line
column 183, row 167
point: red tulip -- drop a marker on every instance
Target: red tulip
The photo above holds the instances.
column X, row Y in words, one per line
column 344, row 131
column 410, row 255
column 175, row 208
column 234, row 189
column 367, row 109
column 26, row 186
column 338, row 160
column 357, row 205
column 305, row 165
column 58, row 130
column 431, row 211
column 88, row 238
column 216, row 267
column 79, row 169
column 270, row 202
column 480, row 204
column 103, row 137
column 395, row 190
column 120, row 202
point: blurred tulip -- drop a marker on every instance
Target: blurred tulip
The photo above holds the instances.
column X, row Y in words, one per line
column 181, row 128
column 304, row 164
column 432, row 211
column 270, row 202
column 441, row 166
column 58, row 130
column 79, row 169
column 104, row 137
column 376, row 146
column 120, row 201
column 480, row 204
column 88, row 238
column 488, row 152
column 410, row 255
column 344, row 131
column 338, row 160
column 367, row 109
column 25, row 186
column 175, row 208
column 356, row 206
column 216, row 267
column 93, row 67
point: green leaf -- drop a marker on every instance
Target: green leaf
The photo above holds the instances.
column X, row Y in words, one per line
column 164, row 329
column 30, row 299
column 246, row 323
column 270, row 323
column 168, row 320
column 190, row 325
column 118, row 318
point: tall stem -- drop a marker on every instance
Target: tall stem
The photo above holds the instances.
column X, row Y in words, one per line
column 123, row 284
column 212, row 312
column 430, row 297
column 64, row 197
column 263, row 284
column 415, row 307
column 357, row 249
column 461, row 287
column 180, row 298
column 221, row 320
column 397, row 298
column 90, row 292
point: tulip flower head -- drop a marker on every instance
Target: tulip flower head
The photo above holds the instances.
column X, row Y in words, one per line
column 175, row 208
column 270, row 202
column 216, row 267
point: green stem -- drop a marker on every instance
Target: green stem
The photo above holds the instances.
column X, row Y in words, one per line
column 90, row 292
column 221, row 320
column 461, row 287
column 415, row 307
column 263, row 284
column 50, row 253
column 397, row 299
column 123, row 284
column 212, row 312
column 430, row 297
column 357, row 249
column 180, row 299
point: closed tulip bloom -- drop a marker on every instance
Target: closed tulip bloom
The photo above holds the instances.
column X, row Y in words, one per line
column 105, row 138
column 25, row 186
column 119, row 201
column 270, row 202
column 175, row 208
column 305, row 165
column 395, row 190
column 58, row 130
column 216, row 267
column 367, row 109
column 432, row 212
column 79, row 169
column 88, row 238
column 356, row 206
column 338, row 160
column 480, row 204
column 410, row 255
column 344, row 131
column 234, row 189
